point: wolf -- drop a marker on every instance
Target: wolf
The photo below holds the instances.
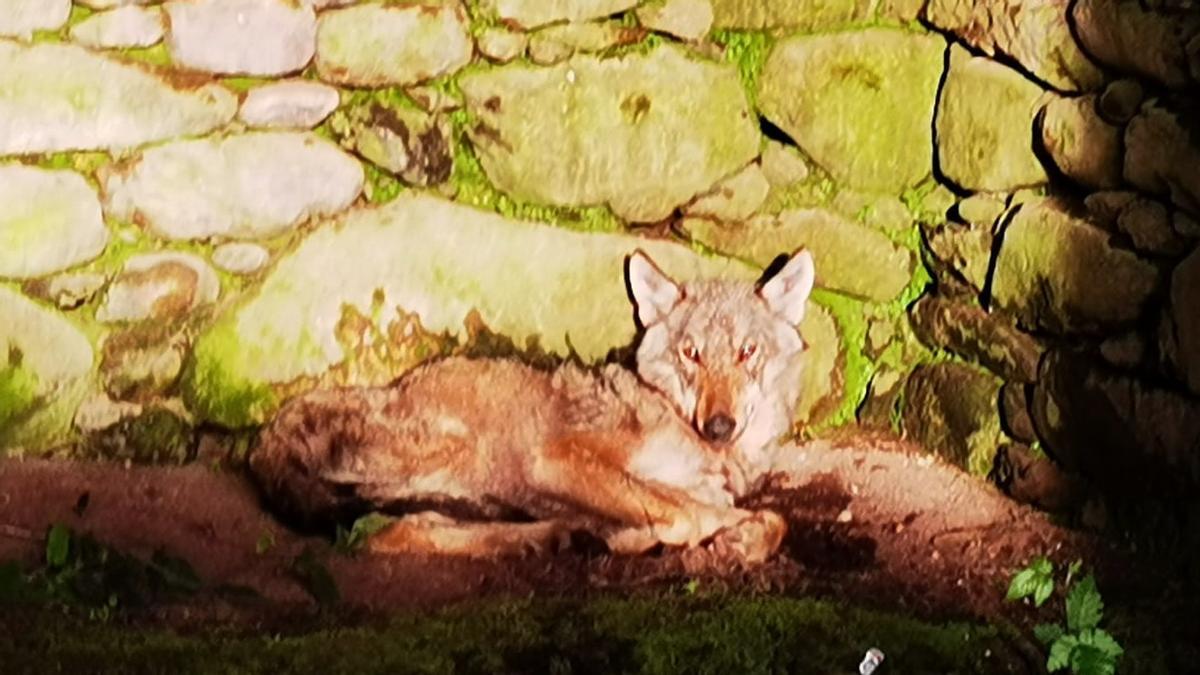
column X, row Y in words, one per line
column 488, row 457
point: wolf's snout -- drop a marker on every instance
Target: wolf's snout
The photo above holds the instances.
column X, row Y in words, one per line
column 719, row 428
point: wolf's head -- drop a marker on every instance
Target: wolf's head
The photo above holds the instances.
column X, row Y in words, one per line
column 727, row 353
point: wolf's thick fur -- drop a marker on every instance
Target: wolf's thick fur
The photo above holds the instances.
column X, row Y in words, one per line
column 489, row 456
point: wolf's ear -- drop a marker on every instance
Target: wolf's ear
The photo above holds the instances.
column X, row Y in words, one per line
column 787, row 292
column 654, row 293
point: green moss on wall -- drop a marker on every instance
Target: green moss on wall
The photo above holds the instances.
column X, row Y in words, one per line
column 857, row 367
column 211, row 391
column 18, row 392
column 472, row 187
column 748, row 51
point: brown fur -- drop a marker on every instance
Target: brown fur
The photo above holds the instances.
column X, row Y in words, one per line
column 489, row 456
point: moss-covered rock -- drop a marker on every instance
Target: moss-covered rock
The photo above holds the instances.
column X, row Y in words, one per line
column 643, row 133
column 44, row 365
column 377, row 45
column 823, row 380
column 590, row 36
column 859, row 103
column 809, row 15
column 953, row 410
column 140, row 365
column 985, row 125
column 734, row 198
column 1037, row 35
column 156, row 436
column 886, row 213
column 970, row 332
column 524, row 280
column 49, row 221
column 56, row 97
column 410, row 143
column 1057, row 272
column 850, row 258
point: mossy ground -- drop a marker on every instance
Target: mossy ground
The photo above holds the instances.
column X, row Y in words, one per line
column 663, row 634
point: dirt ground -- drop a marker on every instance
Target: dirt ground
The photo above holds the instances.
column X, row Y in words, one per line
column 872, row 521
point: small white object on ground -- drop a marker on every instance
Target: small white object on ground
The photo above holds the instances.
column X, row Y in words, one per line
column 870, row 662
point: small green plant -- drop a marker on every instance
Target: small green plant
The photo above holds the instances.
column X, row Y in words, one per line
column 691, row 587
column 1081, row 646
column 352, row 540
column 79, row 572
column 315, row 577
column 1035, row 581
column 266, row 542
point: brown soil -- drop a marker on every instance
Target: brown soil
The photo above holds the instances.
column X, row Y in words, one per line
column 871, row 521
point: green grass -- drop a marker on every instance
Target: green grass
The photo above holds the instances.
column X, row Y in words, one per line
column 671, row 634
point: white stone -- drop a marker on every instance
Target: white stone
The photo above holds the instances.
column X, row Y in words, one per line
column 56, row 97
column 129, row 26
column 783, row 166
column 72, row 289
column 49, row 221
column 295, row 104
column 377, row 45
column 19, row 18
column 253, row 185
column 502, row 45
column 534, row 13
column 685, row 19
column 245, row 37
column 734, row 198
column 158, row 286
column 240, row 257
column 644, row 133
column 109, row 4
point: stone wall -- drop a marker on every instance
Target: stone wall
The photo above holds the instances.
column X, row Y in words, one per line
column 209, row 205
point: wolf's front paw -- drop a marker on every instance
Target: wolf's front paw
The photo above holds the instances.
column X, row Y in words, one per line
column 753, row 540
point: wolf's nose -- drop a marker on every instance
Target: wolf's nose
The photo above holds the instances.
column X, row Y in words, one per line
column 719, row 428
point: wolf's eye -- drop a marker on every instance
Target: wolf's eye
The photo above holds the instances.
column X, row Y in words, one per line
column 690, row 353
column 746, row 352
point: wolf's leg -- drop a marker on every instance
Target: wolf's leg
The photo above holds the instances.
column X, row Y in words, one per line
column 433, row 533
column 585, row 470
